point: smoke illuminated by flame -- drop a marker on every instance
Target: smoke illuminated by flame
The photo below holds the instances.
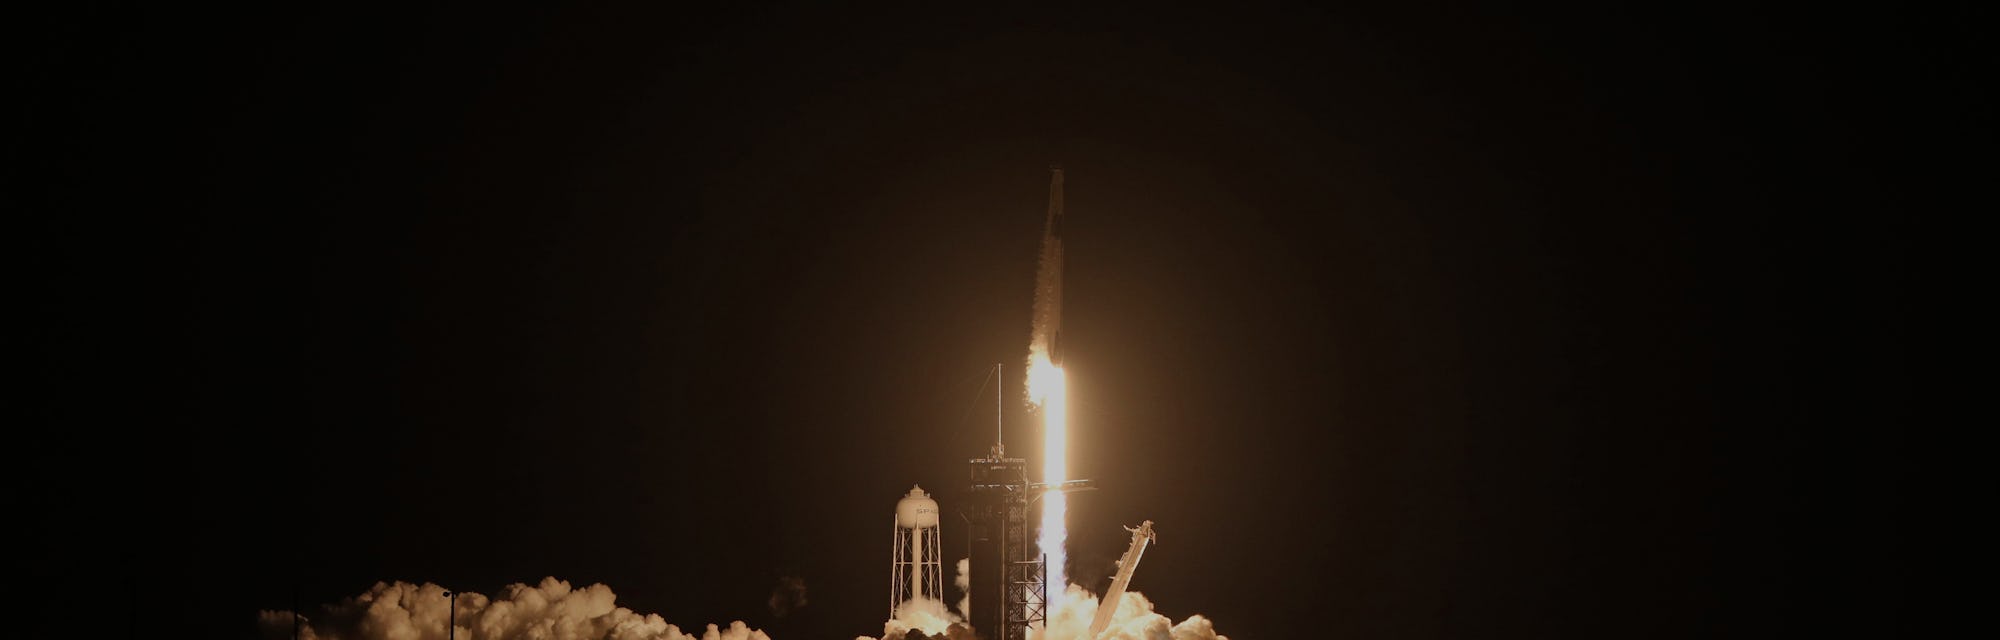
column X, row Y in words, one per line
column 1048, row 389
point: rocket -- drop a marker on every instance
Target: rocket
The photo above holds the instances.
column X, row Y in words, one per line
column 1048, row 277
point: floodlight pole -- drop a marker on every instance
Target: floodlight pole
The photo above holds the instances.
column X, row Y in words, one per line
column 451, row 628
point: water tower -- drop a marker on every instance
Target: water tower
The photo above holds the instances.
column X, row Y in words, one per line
column 914, row 568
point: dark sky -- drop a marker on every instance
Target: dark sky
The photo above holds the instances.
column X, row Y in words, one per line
column 1442, row 324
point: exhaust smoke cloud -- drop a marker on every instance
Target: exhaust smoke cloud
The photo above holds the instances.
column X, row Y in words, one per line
column 552, row 610
column 1134, row 619
column 964, row 582
column 928, row 617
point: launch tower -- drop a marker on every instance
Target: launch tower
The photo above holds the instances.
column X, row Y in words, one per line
column 1009, row 589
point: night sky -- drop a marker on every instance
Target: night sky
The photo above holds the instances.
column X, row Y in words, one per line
column 1441, row 324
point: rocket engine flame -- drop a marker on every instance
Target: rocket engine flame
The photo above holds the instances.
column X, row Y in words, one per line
column 1048, row 389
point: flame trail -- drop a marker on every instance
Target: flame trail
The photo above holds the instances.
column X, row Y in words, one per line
column 1053, row 397
column 1048, row 389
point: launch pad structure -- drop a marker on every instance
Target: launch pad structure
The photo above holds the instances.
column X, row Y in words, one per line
column 1008, row 576
column 1009, row 583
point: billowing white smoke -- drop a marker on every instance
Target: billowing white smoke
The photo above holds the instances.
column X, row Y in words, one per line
column 931, row 617
column 964, row 582
column 924, row 615
column 1134, row 620
column 549, row 611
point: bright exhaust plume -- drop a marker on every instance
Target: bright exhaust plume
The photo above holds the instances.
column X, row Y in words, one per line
column 1048, row 389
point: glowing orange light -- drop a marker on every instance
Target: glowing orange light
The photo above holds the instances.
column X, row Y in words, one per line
column 1048, row 388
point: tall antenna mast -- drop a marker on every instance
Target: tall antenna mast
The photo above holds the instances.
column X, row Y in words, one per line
column 999, row 408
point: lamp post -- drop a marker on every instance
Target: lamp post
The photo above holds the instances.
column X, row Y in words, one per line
column 451, row 628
